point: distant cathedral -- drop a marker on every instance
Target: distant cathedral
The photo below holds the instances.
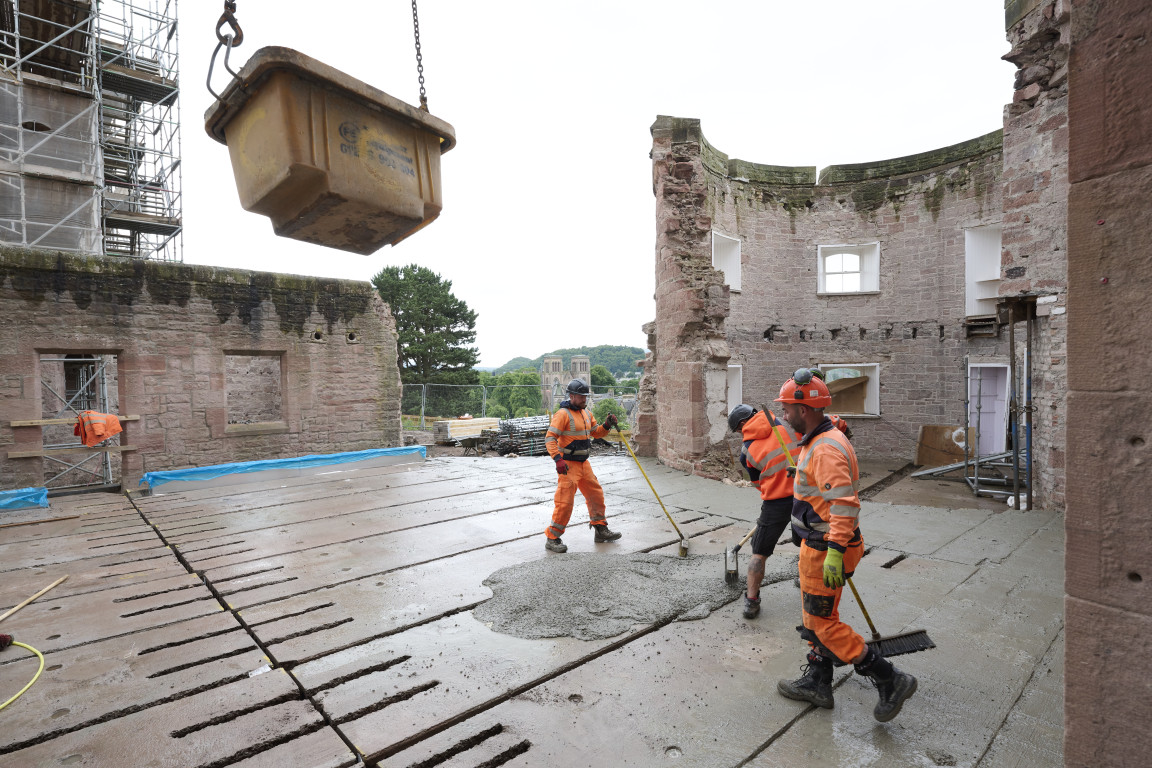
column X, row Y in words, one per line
column 554, row 378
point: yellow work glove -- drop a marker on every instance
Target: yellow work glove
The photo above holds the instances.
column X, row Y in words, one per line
column 833, row 568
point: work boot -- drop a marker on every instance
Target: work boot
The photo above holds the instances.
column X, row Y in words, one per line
column 603, row 534
column 555, row 545
column 814, row 686
column 893, row 686
column 751, row 607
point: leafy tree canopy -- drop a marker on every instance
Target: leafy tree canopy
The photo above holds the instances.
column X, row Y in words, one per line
column 434, row 328
column 605, row 407
column 618, row 360
column 515, row 392
column 602, row 377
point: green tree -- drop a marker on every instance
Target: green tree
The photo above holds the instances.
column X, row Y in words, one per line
column 434, row 328
column 607, row 406
column 515, row 392
column 602, row 377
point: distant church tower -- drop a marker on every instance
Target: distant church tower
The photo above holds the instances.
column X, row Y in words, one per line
column 554, row 378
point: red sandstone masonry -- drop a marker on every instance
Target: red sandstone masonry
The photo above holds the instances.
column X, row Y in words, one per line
column 337, row 395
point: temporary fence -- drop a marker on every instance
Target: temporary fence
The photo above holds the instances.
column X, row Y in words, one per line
column 422, row 404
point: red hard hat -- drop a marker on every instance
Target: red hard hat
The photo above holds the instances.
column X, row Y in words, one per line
column 806, row 389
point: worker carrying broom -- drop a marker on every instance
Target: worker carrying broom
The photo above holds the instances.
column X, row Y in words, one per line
column 569, row 442
column 825, row 512
column 766, row 438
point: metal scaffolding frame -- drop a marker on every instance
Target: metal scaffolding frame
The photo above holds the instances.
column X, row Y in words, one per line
column 89, row 127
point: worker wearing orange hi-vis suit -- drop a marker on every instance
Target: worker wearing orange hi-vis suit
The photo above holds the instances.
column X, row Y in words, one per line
column 769, row 452
column 825, row 514
column 569, row 442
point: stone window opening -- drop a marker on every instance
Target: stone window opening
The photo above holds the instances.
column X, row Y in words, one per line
column 982, row 247
column 855, row 388
column 726, row 259
column 254, row 389
column 848, row 268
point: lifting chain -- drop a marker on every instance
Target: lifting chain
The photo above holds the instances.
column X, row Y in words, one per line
column 228, row 41
column 419, row 58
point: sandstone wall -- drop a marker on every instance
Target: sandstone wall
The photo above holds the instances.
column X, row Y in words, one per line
column 172, row 328
column 1035, row 188
column 917, row 208
column 1108, row 612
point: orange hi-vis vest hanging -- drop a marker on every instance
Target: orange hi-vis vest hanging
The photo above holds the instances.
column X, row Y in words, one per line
column 763, row 456
column 94, row 428
column 825, row 507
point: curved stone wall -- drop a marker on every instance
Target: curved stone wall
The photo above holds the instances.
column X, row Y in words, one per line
column 912, row 327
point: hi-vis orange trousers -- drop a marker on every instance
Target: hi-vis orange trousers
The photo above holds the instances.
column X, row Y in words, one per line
column 580, row 477
column 821, row 604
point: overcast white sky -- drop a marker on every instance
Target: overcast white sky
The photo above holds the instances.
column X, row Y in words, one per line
column 548, row 229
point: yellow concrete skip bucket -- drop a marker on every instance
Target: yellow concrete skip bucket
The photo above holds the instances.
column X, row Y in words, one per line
column 331, row 160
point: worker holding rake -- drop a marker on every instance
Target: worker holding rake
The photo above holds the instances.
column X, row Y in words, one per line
column 569, row 442
column 825, row 514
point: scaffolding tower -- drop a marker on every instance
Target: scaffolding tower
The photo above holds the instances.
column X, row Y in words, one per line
column 90, row 127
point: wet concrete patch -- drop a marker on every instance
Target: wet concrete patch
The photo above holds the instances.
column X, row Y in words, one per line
column 594, row 596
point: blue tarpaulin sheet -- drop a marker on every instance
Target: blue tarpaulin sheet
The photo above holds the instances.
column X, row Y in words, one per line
column 24, row 497
column 153, row 479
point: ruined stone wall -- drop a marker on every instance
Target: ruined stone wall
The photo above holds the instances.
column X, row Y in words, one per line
column 682, row 391
column 1036, row 219
column 913, row 327
column 1107, row 610
column 172, row 327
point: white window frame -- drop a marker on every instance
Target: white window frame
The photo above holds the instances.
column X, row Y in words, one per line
column 726, row 258
column 983, row 246
column 869, row 266
column 735, row 385
column 871, row 388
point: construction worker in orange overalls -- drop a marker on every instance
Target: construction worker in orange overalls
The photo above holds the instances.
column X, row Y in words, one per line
column 569, row 442
column 825, row 512
column 763, row 456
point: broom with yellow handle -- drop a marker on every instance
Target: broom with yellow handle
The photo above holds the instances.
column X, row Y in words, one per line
column 683, row 551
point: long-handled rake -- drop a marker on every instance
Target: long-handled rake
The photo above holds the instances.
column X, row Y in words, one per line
column 912, row 641
column 683, row 550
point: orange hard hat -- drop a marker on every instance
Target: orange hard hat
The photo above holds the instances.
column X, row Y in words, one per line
column 806, row 387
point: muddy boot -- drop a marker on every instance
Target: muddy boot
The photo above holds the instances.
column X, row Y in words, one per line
column 815, row 686
column 751, row 607
column 555, row 545
column 604, row 535
column 893, row 686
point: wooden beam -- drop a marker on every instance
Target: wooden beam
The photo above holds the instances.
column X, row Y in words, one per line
column 73, row 449
column 60, row 422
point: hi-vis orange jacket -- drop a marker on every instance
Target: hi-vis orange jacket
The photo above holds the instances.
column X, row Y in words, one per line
column 763, row 456
column 571, row 431
column 94, row 428
column 825, row 507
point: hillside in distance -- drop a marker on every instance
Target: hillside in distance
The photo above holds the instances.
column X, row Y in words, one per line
column 621, row 361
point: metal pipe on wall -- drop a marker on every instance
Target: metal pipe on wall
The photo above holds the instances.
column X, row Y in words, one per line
column 1028, row 399
column 1013, row 406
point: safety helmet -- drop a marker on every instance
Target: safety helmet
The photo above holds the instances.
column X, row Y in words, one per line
column 806, row 387
column 578, row 387
column 739, row 415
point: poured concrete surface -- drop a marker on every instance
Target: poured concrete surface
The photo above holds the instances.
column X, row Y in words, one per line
column 348, row 614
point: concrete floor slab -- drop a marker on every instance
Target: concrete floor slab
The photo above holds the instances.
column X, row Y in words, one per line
column 131, row 672
column 259, row 720
column 371, row 618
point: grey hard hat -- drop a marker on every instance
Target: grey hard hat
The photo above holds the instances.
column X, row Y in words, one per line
column 739, row 415
column 578, row 387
